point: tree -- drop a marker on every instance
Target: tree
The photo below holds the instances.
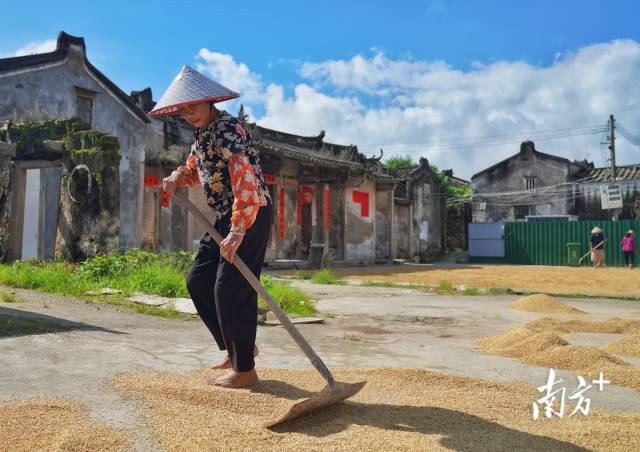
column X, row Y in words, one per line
column 399, row 161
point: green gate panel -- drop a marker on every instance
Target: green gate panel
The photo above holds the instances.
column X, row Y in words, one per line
column 547, row 242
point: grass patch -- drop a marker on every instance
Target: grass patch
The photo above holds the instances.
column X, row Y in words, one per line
column 351, row 337
column 446, row 286
column 471, row 291
column 8, row 297
column 136, row 271
column 18, row 326
column 291, row 300
column 326, row 276
column 499, row 291
column 389, row 284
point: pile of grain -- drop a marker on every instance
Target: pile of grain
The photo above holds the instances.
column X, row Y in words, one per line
column 613, row 325
column 539, row 343
column 628, row 345
column 545, row 304
column 398, row 409
column 54, row 424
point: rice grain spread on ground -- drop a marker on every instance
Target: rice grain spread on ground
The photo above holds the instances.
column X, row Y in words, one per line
column 398, row 409
column 540, row 342
column 545, row 304
column 54, row 424
column 628, row 345
column 533, row 278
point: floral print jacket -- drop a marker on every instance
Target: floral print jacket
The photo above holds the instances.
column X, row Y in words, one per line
column 224, row 160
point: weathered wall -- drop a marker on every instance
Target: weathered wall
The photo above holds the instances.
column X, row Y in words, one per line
column 337, row 226
column 287, row 181
column 401, row 230
column 6, row 185
column 428, row 220
column 49, row 93
column 88, row 223
column 383, row 223
column 512, row 177
column 360, row 229
column 587, row 203
column 458, row 217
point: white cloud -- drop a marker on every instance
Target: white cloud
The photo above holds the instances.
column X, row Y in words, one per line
column 421, row 106
column 236, row 76
column 48, row 45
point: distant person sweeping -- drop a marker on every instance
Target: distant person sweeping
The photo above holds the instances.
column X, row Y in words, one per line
column 596, row 246
column 223, row 159
column 629, row 248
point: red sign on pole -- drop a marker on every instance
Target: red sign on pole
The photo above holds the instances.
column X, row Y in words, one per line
column 281, row 212
column 362, row 198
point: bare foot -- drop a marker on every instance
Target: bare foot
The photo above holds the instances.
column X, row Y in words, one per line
column 235, row 380
column 226, row 364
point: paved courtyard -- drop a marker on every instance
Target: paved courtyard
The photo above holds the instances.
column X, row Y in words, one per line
column 364, row 327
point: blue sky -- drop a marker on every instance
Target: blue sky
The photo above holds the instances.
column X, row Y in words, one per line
column 365, row 70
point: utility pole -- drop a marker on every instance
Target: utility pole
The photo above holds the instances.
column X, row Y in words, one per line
column 612, row 147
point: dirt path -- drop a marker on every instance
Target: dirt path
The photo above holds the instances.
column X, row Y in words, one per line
column 565, row 280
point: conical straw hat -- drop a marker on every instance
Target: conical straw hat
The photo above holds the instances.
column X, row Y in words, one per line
column 190, row 87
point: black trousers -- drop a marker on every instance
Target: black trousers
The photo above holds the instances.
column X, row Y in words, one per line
column 225, row 301
column 629, row 257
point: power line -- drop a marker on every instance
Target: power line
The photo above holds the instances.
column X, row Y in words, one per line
column 471, row 146
column 482, row 137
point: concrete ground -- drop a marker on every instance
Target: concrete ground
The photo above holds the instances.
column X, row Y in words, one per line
column 365, row 326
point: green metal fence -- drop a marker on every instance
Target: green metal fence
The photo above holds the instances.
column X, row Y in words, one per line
column 545, row 242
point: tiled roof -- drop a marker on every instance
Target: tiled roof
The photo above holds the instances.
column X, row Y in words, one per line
column 623, row 173
column 315, row 150
column 61, row 52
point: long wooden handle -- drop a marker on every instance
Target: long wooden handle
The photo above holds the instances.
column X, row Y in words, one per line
column 183, row 198
column 597, row 246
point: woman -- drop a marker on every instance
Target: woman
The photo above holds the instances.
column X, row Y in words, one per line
column 629, row 248
column 596, row 246
column 223, row 159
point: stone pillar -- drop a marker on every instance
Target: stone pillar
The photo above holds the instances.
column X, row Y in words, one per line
column 7, row 152
column 89, row 221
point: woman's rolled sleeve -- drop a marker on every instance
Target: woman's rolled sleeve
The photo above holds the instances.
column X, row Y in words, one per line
column 190, row 171
column 245, row 192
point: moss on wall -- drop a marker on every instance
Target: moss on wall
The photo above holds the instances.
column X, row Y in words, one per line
column 28, row 138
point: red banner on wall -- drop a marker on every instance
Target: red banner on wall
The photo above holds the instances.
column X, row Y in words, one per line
column 151, row 181
column 326, row 208
column 362, row 198
column 281, row 212
column 269, row 179
column 299, row 207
